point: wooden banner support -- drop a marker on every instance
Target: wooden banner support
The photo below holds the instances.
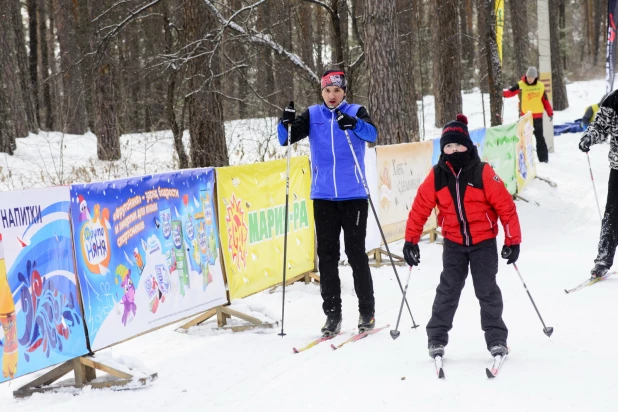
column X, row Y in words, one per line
column 377, row 255
column 223, row 313
column 85, row 375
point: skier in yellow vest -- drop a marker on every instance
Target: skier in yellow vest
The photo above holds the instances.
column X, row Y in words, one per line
column 589, row 116
column 532, row 98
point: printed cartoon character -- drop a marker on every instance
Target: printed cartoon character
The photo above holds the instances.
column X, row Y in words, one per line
column 128, row 299
column 84, row 213
column 155, row 294
column 385, row 187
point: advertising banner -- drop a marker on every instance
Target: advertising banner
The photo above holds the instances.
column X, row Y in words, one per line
column 499, row 152
column 524, row 151
column 42, row 322
column 251, row 203
column 147, row 252
column 401, row 170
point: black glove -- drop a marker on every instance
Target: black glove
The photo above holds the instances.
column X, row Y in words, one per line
column 511, row 253
column 584, row 144
column 411, row 254
column 345, row 121
column 289, row 114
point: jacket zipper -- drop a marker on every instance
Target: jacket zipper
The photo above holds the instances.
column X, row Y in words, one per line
column 332, row 142
column 356, row 174
column 315, row 181
column 460, row 209
column 491, row 225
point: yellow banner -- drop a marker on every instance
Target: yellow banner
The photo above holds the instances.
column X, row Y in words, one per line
column 401, row 170
column 251, row 211
column 499, row 9
column 524, row 151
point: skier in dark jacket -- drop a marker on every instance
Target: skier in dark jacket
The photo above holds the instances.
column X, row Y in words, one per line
column 339, row 197
column 604, row 125
column 470, row 198
column 532, row 97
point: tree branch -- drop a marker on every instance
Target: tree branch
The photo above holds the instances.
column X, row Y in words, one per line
column 264, row 40
column 321, row 4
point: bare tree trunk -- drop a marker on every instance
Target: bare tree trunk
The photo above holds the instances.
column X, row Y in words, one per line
column 466, row 35
column 305, row 23
column 45, row 80
column 85, row 33
column 106, row 118
column 10, row 76
column 208, row 145
column 264, row 65
column 599, row 16
column 446, row 61
column 22, row 60
column 183, row 160
column 394, row 117
column 519, row 22
column 494, row 69
column 33, row 45
column 407, row 48
column 560, row 99
column 284, row 70
column 481, row 53
column 7, row 134
column 73, row 109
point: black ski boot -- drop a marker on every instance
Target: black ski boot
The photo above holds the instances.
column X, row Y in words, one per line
column 498, row 349
column 332, row 326
column 436, row 349
column 598, row 271
column 366, row 322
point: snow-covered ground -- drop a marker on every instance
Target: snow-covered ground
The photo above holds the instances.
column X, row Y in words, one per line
column 206, row 369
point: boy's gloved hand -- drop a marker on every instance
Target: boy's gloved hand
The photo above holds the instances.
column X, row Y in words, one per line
column 511, row 253
column 411, row 254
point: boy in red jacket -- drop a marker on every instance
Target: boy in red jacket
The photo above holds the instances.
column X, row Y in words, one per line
column 470, row 197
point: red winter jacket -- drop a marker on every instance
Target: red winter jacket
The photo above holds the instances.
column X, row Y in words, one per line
column 469, row 205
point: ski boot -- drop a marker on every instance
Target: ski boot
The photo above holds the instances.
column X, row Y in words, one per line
column 332, row 327
column 498, row 349
column 436, row 349
column 598, row 271
column 366, row 322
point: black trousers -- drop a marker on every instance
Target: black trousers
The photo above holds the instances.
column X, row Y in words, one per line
column 541, row 146
column 609, row 226
column 483, row 261
column 351, row 216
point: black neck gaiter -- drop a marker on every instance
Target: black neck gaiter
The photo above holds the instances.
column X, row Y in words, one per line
column 457, row 159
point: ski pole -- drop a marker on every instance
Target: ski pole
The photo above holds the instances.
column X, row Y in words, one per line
column 285, row 232
column 377, row 221
column 594, row 186
column 395, row 333
column 546, row 330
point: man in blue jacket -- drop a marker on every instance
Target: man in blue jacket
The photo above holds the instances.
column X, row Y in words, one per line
column 338, row 194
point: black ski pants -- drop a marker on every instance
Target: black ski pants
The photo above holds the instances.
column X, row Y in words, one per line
column 351, row 216
column 541, row 146
column 483, row 261
column 609, row 226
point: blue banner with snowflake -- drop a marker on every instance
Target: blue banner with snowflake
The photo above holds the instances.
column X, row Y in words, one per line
column 147, row 252
column 40, row 317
